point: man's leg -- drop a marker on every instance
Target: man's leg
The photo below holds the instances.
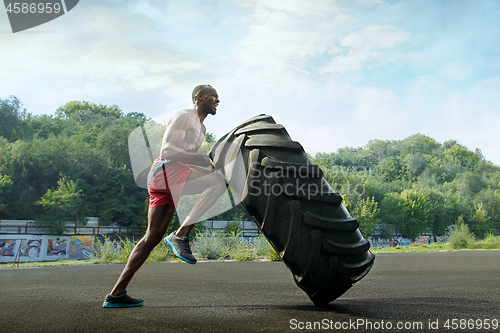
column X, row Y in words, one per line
column 211, row 185
column 158, row 220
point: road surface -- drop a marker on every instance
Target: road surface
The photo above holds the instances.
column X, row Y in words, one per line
column 408, row 290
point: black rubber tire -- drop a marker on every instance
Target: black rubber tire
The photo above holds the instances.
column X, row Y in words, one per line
column 313, row 233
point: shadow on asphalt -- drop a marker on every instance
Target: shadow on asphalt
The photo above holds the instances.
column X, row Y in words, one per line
column 383, row 308
column 414, row 308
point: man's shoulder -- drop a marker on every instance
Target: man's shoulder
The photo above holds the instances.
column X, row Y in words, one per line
column 184, row 112
column 184, row 116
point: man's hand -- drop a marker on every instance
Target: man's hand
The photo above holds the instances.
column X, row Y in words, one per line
column 207, row 156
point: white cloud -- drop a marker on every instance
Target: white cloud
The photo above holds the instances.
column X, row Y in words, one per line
column 374, row 114
column 143, row 7
column 456, row 71
column 105, row 55
column 376, row 37
column 319, row 68
column 284, row 34
column 371, row 3
column 470, row 116
column 369, row 48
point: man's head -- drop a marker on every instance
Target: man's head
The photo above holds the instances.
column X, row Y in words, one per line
column 205, row 98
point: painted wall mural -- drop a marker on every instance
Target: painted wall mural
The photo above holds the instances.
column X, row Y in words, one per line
column 81, row 247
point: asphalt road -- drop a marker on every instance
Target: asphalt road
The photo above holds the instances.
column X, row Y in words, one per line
column 408, row 290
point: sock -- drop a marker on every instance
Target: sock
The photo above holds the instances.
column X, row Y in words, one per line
column 178, row 237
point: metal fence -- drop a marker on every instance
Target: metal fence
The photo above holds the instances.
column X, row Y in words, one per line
column 247, row 228
column 93, row 227
column 30, row 227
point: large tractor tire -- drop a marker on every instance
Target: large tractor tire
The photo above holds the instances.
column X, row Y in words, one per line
column 294, row 207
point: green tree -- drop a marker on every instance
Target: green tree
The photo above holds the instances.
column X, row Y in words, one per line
column 210, row 137
column 43, row 126
column 5, row 189
column 411, row 209
column 86, row 112
column 387, row 231
column 382, row 149
column 415, row 164
column 393, row 168
column 390, row 210
column 490, row 199
column 11, row 114
column 419, row 143
column 418, row 212
column 113, row 140
column 479, row 223
column 449, row 144
column 116, row 198
column 61, row 205
column 469, row 183
column 365, row 211
column 443, row 211
column 462, row 156
column 207, row 143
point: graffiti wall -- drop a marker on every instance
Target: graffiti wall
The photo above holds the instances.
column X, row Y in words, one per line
column 22, row 248
column 81, row 247
column 400, row 241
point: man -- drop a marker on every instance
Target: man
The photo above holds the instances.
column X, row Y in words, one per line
column 180, row 170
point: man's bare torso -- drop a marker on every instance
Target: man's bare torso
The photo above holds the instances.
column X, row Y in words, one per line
column 184, row 133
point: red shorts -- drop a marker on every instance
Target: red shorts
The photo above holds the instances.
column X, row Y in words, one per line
column 166, row 181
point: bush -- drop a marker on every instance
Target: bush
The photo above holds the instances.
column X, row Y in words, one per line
column 210, row 245
column 127, row 247
column 215, row 245
column 460, row 237
column 265, row 249
column 240, row 251
column 160, row 253
column 491, row 242
column 105, row 251
column 233, row 229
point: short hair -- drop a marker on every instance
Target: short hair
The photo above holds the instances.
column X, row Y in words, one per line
column 197, row 90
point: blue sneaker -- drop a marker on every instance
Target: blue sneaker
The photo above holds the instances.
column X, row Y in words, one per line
column 181, row 248
column 123, row 301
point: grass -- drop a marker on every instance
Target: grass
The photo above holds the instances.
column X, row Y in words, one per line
column 462, row 241
column 491, row 242
column 50, row 263
column 433, row 247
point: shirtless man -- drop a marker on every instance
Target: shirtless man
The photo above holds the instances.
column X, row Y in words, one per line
column 180, row 170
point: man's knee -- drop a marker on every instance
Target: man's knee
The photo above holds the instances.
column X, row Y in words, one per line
column 152, row 239
column 219, row 186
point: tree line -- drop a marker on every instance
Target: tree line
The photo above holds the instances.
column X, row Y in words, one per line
column 413, row 184
column 75, row 163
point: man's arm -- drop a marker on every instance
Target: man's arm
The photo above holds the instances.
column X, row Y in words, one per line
column 175, row 146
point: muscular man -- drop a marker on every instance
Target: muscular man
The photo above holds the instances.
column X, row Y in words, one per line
column 180, row 170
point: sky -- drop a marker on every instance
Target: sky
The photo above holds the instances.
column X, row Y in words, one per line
column 334, row 73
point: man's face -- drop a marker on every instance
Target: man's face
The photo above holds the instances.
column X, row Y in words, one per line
column 208, row 100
